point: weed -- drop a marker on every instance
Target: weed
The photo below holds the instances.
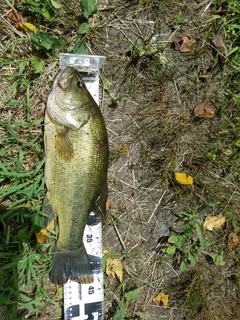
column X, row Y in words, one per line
column 47, row 42
column 120, row 314
column 43, row 8
column 48, row 10
column 188, row 243
column 146, row 49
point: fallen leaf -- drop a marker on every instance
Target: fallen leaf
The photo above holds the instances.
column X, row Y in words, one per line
column 14, row 16
column 161, row 297
column 107, row 204
column 114, row 269
column 183, row 44
column 183, row 179
column 177, row 41
column 26, row 26
column 233, row 240
column 213, row 222
column 219, row 44
column 43, row 315
column 43, row 234
column 69, row 39
column 202, row 110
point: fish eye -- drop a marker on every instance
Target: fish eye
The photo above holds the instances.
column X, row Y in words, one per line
column 80, row 85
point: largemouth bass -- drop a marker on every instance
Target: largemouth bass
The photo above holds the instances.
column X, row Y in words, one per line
column 76, row 149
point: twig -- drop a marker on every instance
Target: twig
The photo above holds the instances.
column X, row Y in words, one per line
column 119, row 237
column 170, row 38
column 155, row 209
column 175, row 84
column 206, row 8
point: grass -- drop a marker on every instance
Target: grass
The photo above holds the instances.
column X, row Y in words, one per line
column 23, row 264
column 151, row 91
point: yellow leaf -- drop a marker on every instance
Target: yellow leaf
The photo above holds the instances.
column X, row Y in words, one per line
column 183, row 179
column 161, row 297
column 107, row 204
column 214, row 222
column 43, row 234
column 114, row 269
column 26, row 26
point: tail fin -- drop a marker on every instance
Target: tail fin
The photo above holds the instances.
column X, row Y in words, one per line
column 73, row 265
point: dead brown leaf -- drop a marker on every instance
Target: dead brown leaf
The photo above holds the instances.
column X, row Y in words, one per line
column 219, row 44
column 13, row 15
column 43, row 315
column 177, row 41
column 233, row 240
column 214, row 222
column 69, row 39
column 202, row 110
column 183, row 44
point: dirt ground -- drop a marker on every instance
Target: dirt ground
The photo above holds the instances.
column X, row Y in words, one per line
column 148, row 111
column 154, row 121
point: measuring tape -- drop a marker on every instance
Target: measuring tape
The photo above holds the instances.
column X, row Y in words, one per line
column 86, row 301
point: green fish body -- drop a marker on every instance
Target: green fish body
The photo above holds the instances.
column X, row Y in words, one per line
column 76, row 149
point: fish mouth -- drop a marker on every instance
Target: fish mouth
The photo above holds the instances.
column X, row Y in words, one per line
column 65, row 77
column 68, row 72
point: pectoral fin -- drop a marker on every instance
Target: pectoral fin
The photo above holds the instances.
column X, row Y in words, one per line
column 63, row 144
